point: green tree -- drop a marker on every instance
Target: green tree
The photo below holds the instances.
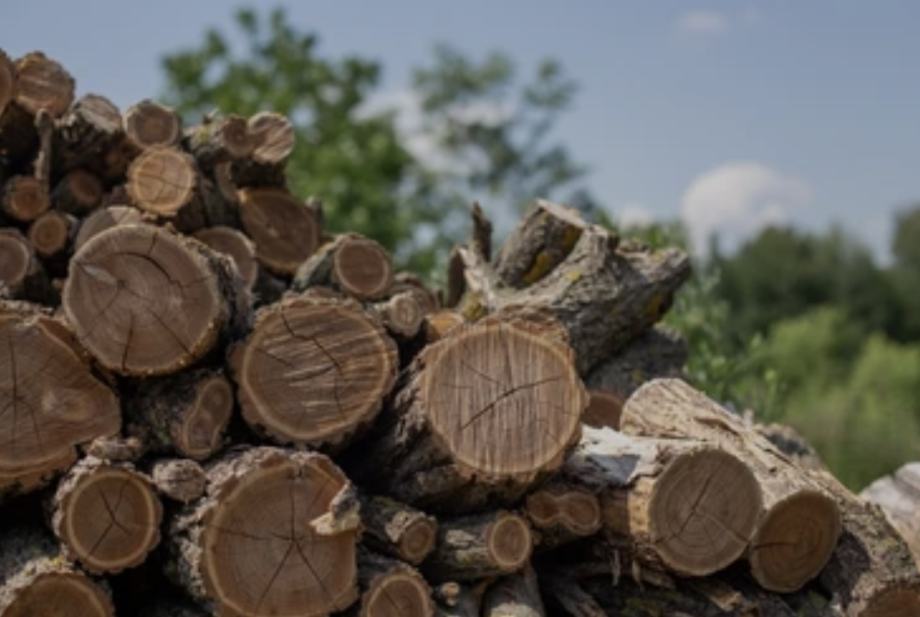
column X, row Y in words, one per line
column 905, row 272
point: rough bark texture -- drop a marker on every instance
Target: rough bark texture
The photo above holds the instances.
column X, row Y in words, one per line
column 899, row 497
column 86, row 134
column 402, row 314
column 351, row 264
column 397, row 529
column 179, row 479
column 220, row 140
column 273, row 141
column 517, row 595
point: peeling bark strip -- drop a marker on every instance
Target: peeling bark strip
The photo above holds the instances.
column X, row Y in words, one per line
column 50, row 400
column 146, row 302
column 679, row 504
column 149, row 124
column 314, row 370
column 162, row 181
column 285, row 230
column 391, row 588
column 485, row 413
column 800, row 524
column 899, row 496
column 248, row 546
column 479, row 546
column 351, row 264
column 397, row 529
column 106, row 515
column 35, row 581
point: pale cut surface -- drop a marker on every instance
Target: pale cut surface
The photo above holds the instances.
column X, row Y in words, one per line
column 43, row 84
column 362, row 268
column 100, row 220
column 15, row 258
column 162, row 180
column 510, row 542
column 61, row 595
column 273, row 135
column 236, row 245
column 149, row 124
column 401, row 593
column 284, row 229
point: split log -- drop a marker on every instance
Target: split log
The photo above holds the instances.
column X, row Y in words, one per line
column 21, row 272
column 149, row 124
column 479, row 546
column 79, row 192
column 517, row 595
column 390, row 588
column 401, row 314
column 285, row 230
column 187, row 413
column 899, row 497
column 179, row 479
column 800, row 525
column 314, row 370
column 24, row 199
column 146, row 302
column 103, row 219
column 43, row 84
column 220, row 140
column 52, row 400
column 51, row 234
column 249, row 547
column 273, row 137
column 86, row 133
column 484, row 414
column 675, row 505
column 397, row 529
column 36, row 581
column 162, row 181
column 351, row 264
column 237, row 246
column 562, row 512
column 106, row 515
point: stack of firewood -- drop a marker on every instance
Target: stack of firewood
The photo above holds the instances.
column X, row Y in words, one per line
column 211, row 406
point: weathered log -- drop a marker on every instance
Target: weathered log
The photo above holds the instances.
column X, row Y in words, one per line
column 479, row 546
column 162, row 181
column 397, row 529
column 106, row 515
column 402, row 314
column 116, row 448
column 899, row 497
column 676, row 505
column 52, row 400
column 439, row 323
column 237, row 246
column 351, row 264
column 78, row 192
column 24, row 199
column 562, row 512
column 249, row 546
column 86, row 133
column 42, row 84
column 149, row 124
column 484, row 414
column 273, row 137
column 51, row 234
column 186, row 413
column 21, row 272
column 800, row 525
column 146, row 302
column 314, row 370
column 516, row 595
column 456, row 600
column 7, row 81
column 219, row 140
column 660, row 352
column 285, row 230
column 103, row 219
column 791, row 443
column 179, row 479
column 390, row 588
column 35, row 581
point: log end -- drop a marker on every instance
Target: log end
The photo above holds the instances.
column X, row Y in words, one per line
column 25, row 198
column 897, row 600
column 43, row 84
column 400, row 592
column 509, row 542
column 16, row 258
column 362, row 268
column 162, row 180
column 285, row 230
column 61, row 593
column 148, row 124
column 201, row 432
column 50, row 233
column 575, row 510
column 418, row 540
column 237, row 246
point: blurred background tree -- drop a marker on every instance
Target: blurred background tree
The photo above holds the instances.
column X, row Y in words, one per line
column 803, row 328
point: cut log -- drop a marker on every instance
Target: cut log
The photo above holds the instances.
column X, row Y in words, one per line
column 314, row 371
column 562, row 512
column 179, row 479
column 117, row 449
column 439, row 323
column 390, row 588
column 35, row 581
column 899, row 497
column 187, row 413
column 162, row 181
column 398, row 530
column 51, row 233
column 273, row 137
column 24, row 199
column 103, row 219
column 20, row 271
column 456, row 600
column 407, row 281
column 479, row 546
column 220, row 140
column 106, row 515
column 86, row 134
column 43, row 84
column 146, row 302
column 401, row 314
column 149, row 124
column 79, row 192
column 484, row 414
column 660, row 352
column 235, row 245
column 285, row 230
column 52, row 401
column 800, row 524
column 677, row 505
column 352, row 264
column 517, row 595
column 248, row 547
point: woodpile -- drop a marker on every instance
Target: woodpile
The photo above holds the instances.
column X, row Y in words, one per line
column 210, row 405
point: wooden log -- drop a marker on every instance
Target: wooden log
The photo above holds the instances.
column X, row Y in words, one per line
column 24, row 199
column 43, row 84
column 562, row 512
column 604, row 409
column 86, row 133
column 517, row 595
column 676, row 505
column 390, row 588
column 398, row 530
column 791, row 443
column 235, row 245
column 51, row 234
column 35, row 581
column 208, row 207
column 164, row 301
column 314, row 370
column 285, row 230
column 351, row 264
column 148, row 124
column 79, row 192
column 483, row 415
column 407, row 281
column 273, row 137
column 800, row 524
column 402, row 314
column 21, row 272
column 220, row 140
column 116, row 448
column 456, row 600
column 103, row 219
column 162, row 181
column 52, row 400
column 250, row 546
column 179, row 479
column 479, row 546
column 899, row 497
column 7, row 81
column 439, row 323
column 187, row 413
column 107, row 516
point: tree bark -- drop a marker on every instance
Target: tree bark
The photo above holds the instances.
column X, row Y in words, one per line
column 273, row 138
column 79, row 192
column 402, row 314
column 350, row 264
column 179, row 479
column 220, row 140
column 660, row 352
column 24, row 199
column 398, row 530
column 517, row 595
column 86, row 134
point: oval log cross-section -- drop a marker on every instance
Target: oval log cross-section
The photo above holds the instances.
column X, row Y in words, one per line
column 144, row 301
column 314, row 370
column 148, row 124
column 43, row 84
column 284, row 229
column 237, row 246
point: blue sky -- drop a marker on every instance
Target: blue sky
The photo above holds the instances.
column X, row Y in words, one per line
column 729, row 114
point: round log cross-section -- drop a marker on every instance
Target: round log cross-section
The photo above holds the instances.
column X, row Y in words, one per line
column 149, row 124
column 16, row 259
column 479, row 546
column 314, row 370
column 284, row 229
column 351, row 264
column 25, row 198
column 162, row 180
column 43, row 84
column 50, row 233
column 146, row 302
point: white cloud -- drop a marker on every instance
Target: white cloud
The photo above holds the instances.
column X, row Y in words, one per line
column 703, row 22
column 735, row 200
column 634, row 215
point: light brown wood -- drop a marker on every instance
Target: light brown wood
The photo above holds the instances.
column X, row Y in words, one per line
column 285, row 230
column 220, row 140
column 899, row 496
column 562, row 512
column 235, row 245
column 79, row 192
column 149, row 124
column 273, row 135
column 50, row 234
column 397, row 529
column 352, row 264
column 43, row 84
column 17, row 260
column 439, row 323
column 106, row 218
column 391, row 588
column 24, row 199
column 402, row 314
column 314, row 371
column 604, row 409
column 479, row 546
column 162, row 180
